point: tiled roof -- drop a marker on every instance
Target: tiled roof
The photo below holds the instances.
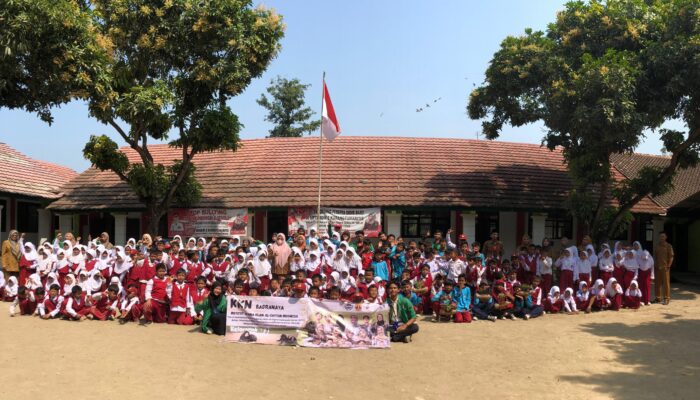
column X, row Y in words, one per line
column 357, row 171
column 22, row 175
column 686, row 183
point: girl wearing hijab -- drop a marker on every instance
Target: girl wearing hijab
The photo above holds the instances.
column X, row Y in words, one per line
column 96, row 283
column 606, row 265
column 51, row 279
column 631, row 267
column 554, row 302
column 614, row 292
column 619, row 269
column 598, row 298
column 214, row 311
column 584, row 268
column 68, row 283
column 338, row 264
column 582, row 296
column 645, row 276
column 46, row 264
column 567, row 265
column 280, row 252
column 10, row 290
column 262, row 270
column 29, row 260
column 122, row 264
column 62, row 266
column 569, row 301
column 593, row 258
column 296, row 260
column 11, row 254
column 313, row 263
column 33, row 282
column 76, row 260
column 354, row 262
column 146, row 243
column 633, row 296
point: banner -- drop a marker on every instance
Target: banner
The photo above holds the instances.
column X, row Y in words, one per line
column 220, row 222
column 306, row 322
column 368, row 220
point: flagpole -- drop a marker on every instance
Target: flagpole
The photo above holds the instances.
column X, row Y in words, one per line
column 320, row 157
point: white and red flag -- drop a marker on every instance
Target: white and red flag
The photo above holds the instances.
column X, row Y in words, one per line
column 329, row 122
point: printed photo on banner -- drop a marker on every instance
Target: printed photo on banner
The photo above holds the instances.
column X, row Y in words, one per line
column 306, row 322
column 220, row 222
column 341, row 219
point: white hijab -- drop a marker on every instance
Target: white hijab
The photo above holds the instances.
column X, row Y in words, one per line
column 32, row 254
column 613, row 288
column 12, row 289
column 633, row 292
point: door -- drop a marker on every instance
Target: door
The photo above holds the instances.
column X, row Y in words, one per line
column 276, row 222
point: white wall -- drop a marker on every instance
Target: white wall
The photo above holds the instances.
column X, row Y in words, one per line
column 538, row 223
column 469, row 226
column 507, row 230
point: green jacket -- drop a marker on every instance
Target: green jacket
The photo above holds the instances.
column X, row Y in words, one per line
column 403, row 307
column 204, row 306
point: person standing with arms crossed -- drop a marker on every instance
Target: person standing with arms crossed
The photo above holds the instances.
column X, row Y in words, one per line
column 663, row 258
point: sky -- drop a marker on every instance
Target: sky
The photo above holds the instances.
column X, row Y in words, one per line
column 383, row 60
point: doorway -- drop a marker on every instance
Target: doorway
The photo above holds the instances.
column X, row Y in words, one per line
column 276, row 222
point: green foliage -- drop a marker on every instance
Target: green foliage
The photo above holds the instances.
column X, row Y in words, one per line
column 602, row 74
column 50, row 54
column 286, row 108
column 104, row 154
column 162, row 67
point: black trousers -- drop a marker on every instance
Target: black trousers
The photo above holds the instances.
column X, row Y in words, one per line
column 218, row 323
column 399, row 336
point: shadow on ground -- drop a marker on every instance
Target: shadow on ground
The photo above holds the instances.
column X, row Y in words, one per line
column 664, row 357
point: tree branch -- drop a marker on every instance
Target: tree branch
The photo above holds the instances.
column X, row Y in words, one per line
column 667, row 174
column 141, row 150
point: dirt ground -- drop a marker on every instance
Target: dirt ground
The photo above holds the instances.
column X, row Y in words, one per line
column 649, row 354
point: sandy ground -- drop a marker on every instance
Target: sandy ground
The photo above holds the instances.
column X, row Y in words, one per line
column 652, row 353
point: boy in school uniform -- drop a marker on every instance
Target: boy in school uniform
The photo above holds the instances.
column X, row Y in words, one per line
column 155, row 308
column 75, row 308
column 51, row 306
column 130, row 309
column 181, row 307
column 105, row 305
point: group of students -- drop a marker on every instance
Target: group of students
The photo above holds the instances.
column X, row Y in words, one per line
column 185, row 282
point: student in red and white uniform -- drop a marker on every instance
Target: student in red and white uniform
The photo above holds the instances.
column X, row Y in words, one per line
column 614, row 292
column 177, row 263
column 645, row 276
column 105, row 304
column 51, row 306
column 181, row 306
column 158, row 289
column 69, row 283
column 262, row 271
column 76, row 259
column 201, row 293
column 62, row 266
column 76, row 309
column 633, row 296
column 24, row 303
column 536, row 292
column 129, row 308
column 29, row 259
column 46, row 263
column 631, row 266
column 122, row 265
column 194, row 268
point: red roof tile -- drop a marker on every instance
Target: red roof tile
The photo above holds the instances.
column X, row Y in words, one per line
column 686, row 183
column 22, row 175
column 357, row 171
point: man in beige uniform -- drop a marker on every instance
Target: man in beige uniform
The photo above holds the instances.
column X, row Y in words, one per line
column 663, row 258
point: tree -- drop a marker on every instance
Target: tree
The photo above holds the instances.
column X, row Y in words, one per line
column 286, row 108
column 48, row 54
column 602, row 74
column 171, row 66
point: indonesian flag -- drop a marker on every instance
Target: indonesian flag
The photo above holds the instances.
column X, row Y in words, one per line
column 329, row 123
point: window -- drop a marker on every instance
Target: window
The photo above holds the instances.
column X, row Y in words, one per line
column 649, row 231
column 27, row 217
column 3, row 215
column 558, row 225
column 418, row 224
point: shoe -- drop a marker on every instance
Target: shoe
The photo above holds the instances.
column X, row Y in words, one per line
column 475, row 318
column 247, row 337
column 527, row 317
column 492, row 318
column 512, row 317
column 210, row 332
column 285, row 340
column 666, row 302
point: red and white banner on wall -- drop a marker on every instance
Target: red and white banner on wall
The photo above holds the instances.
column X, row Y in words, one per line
column 368, row 220
column 220, row 222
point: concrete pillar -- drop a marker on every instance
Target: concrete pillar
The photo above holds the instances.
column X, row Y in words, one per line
column 469, row 225
column 44, row 224
column 65, row 223
column 507, row 226
column 538, row 222
column 2, row 234
column 250, row 229
column 392, row 225
column 119, row 229
column 658, row 223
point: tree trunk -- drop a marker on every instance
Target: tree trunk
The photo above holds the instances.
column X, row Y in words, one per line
column 154, row 213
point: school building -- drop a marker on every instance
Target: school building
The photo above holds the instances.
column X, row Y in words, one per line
column 27, row 186
column 420, row 184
